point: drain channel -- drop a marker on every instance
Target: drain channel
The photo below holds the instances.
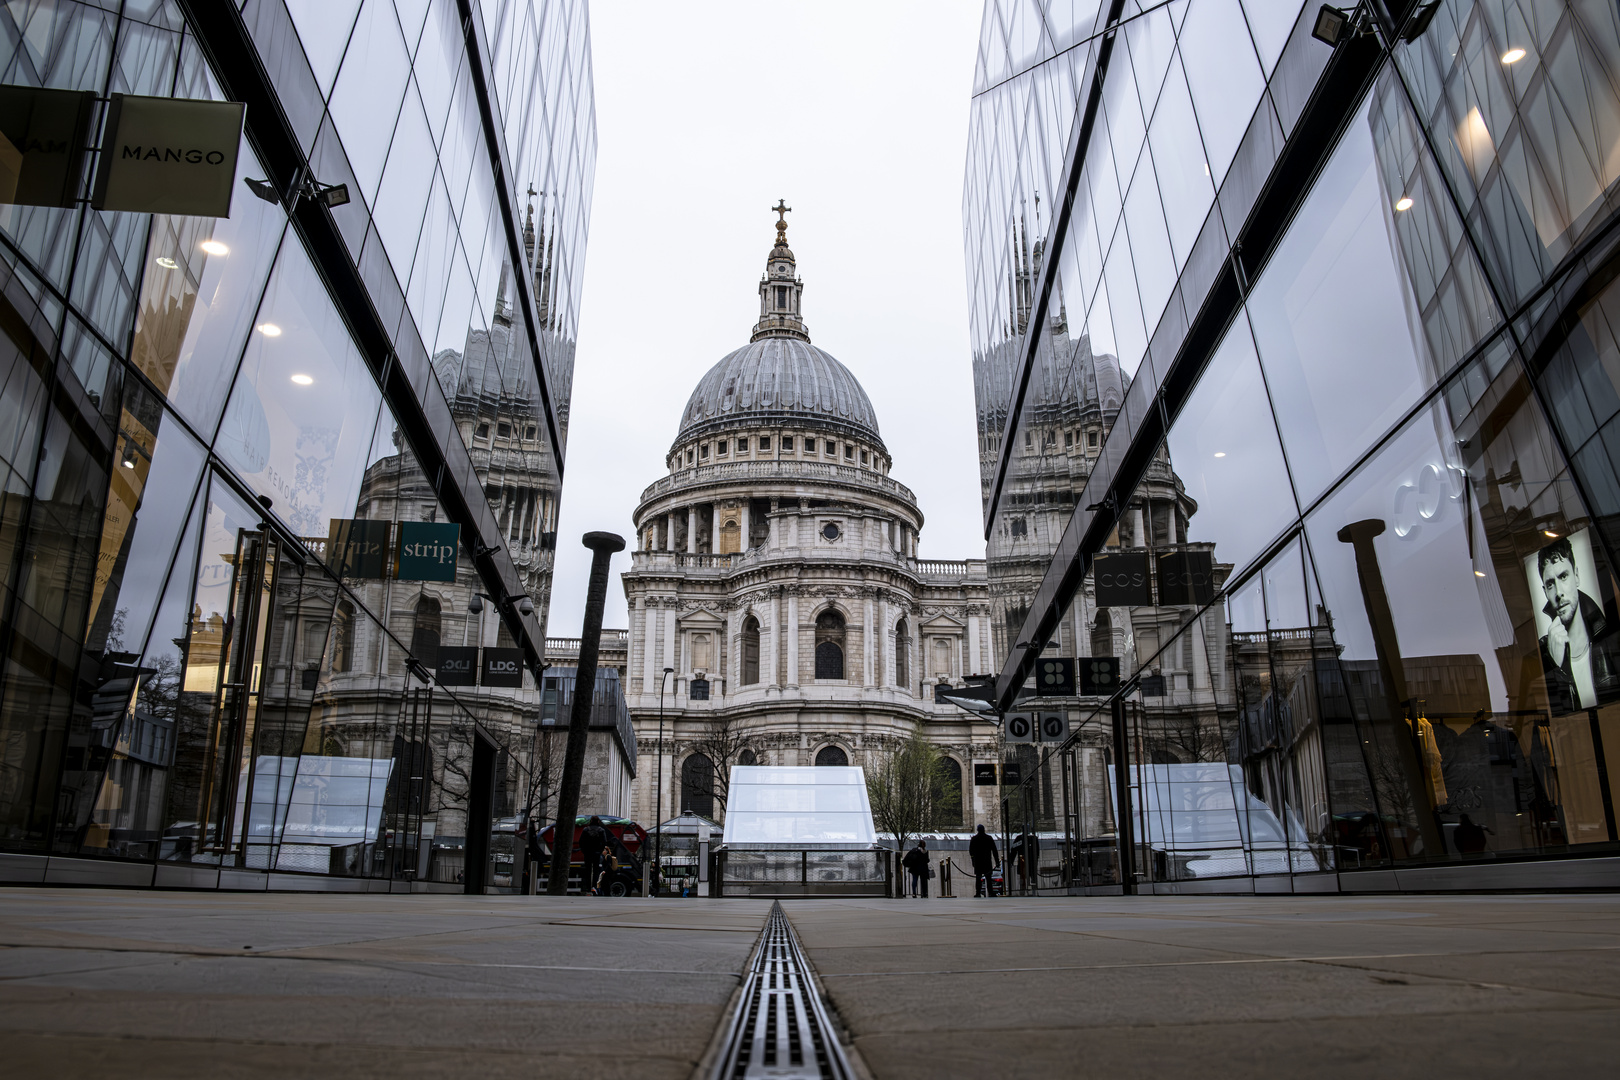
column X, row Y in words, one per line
column 780, row 1028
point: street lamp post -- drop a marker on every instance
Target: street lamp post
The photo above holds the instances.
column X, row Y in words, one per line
column 658, row 814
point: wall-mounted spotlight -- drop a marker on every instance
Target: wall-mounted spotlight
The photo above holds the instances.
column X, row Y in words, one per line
column 1329, row 25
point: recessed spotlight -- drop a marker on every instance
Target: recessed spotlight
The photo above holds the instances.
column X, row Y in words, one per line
column 214, row 247
column 1513, row 56
column 303, row 380
column 1404, row 203
column 1220, row 453
column 165, row 262
column 1479, row 573
column 1549, row 532
column 269, row 329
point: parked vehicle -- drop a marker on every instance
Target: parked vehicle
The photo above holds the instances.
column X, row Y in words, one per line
column 629, row 840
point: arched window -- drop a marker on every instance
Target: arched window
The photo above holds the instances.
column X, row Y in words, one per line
column 902, row 654
column 343, row 637
column 697, row 785
column 425, row 632
column 946, row 790
column 747, row 757
column 750, row 651
column 832, row 755
column 829, row 645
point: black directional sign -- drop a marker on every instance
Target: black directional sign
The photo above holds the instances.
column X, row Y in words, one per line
column 1099, row 675
column 1054, row 727
column 1020, row 727
column 1153, row 686
column 1054, row 677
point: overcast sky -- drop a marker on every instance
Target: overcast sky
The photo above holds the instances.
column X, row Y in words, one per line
column 856, row 114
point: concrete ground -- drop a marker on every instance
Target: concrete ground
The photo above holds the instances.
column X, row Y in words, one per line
column 143, row 984
column 1421, row 986
column 114, row 984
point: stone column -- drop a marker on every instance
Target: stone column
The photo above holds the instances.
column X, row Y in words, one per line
column 649, row 647
column 714, row 528
column 1138, row 537
column 973, row 643
column 743, row 521
column 775, row 539
column 691, row 530
column 868, row 641
column 770, row 638
column 669, row 649
column 886, row 675
column 791, row 633
column 669, row 530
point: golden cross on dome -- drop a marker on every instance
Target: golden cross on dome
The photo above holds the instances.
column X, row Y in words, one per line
column 782, row 210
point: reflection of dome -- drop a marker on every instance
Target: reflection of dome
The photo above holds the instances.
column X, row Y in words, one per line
column 777, row 379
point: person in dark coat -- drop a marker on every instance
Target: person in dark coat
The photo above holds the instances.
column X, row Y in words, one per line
column 984, row 854
column 916, row 863
column 592, row 840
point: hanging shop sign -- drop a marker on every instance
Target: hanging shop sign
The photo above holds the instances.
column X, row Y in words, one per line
column 1054, row 726
column 358, row 548
column 427, row 550
column 503, row 667
column 1122, row 580
column 1054, row 677
column 1187, row 578
column 984, row 774
column 1020, row 727
column 1012, row 773
column 458, row 665
column 169, row 156
column 1099, row 675
column 42, row 144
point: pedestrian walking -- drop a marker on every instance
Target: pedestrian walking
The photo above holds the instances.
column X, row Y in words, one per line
column 982, row 850
column 916, row 863
column 592, row 840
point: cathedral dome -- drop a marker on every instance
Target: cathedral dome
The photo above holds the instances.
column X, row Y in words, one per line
column 779, row 380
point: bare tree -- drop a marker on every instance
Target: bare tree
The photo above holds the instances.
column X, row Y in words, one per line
column 903, row 788
column 722, row 742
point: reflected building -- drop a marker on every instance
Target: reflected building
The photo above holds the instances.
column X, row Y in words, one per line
column 291, row 452
column 1351, row 301
column 777, row 573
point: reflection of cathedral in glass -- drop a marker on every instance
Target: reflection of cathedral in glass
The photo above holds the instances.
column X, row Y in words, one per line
column 1369, row 378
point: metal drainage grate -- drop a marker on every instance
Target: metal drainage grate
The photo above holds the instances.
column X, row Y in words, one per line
column 780, row 1028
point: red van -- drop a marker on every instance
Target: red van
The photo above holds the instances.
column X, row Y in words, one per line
column 629, row 840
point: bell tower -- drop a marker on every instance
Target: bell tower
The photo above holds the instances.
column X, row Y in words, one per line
column 780, row 289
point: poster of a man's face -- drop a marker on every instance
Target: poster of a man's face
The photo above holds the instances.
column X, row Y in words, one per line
column 1577, row 639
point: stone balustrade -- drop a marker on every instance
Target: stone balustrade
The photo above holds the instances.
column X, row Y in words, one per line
column 823, row 471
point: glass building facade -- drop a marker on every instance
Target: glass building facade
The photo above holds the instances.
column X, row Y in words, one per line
column 1298, row 376
column 229, row 444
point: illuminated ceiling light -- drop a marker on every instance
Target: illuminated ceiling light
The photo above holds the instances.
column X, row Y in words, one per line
column 1513, row 56
column 1220, row 453
column 303, row 380
column 1404, row 204
column 269, row 329
column 214, row 247
column 165, row 262
column 129, row 455
column 1550, row 533
column 1479, row 573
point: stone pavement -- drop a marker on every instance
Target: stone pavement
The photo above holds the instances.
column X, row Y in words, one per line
column 1422, row 986
column 110, row 983
column 118, row 984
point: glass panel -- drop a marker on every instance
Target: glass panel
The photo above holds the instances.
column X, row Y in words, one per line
column 323, row 27
column 1472, row 613
column 1224, row 75
column 369, row 89
column 1223, row 446
column 305, row 405
column 201, row 283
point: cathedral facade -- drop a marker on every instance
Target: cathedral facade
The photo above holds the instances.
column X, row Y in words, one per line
column 780, row 613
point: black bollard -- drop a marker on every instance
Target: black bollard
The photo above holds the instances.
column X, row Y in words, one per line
column 602, row 545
